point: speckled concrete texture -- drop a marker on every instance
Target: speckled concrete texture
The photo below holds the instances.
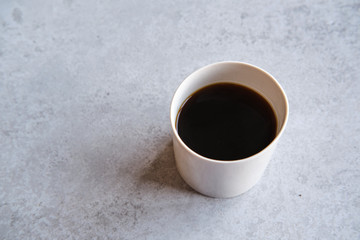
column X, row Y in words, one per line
column 85, row 144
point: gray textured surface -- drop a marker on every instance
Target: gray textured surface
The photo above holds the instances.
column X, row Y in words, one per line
column 85, row 89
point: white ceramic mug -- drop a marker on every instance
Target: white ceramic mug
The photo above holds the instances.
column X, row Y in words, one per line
column 218, row 178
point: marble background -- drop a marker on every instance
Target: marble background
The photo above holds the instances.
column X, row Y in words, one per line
column 85, row 143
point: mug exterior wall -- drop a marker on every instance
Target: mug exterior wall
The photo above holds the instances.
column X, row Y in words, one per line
column 218, row 178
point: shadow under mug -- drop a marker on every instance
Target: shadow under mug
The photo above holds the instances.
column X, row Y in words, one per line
column 223, row 179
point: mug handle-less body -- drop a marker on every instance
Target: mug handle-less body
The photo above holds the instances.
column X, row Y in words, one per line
column 217, row 178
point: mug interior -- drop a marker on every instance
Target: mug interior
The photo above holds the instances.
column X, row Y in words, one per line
column 233, row 72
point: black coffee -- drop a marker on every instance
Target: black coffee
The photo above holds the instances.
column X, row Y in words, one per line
column 226, row 121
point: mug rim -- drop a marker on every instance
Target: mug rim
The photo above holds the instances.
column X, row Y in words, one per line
column 176, row 134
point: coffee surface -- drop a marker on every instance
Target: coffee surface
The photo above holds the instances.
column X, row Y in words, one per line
column 226, row 121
